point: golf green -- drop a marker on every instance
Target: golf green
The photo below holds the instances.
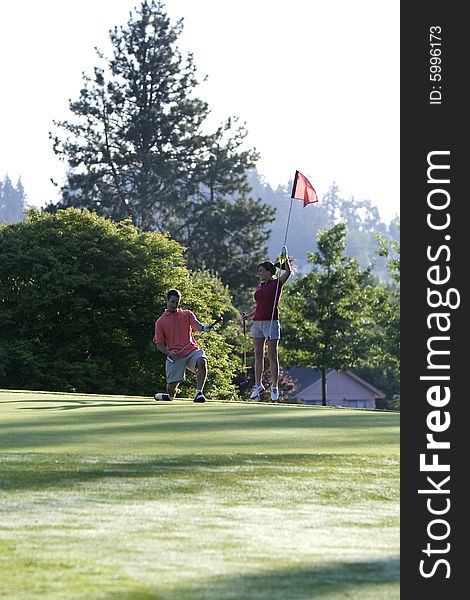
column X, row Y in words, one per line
column 117, row 497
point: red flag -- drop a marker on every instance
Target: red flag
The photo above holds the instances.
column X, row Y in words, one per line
column 302, row 189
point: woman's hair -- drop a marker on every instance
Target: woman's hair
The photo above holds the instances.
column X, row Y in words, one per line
column 268, row 265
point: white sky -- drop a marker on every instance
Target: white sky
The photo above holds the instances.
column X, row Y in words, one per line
column 315, row 81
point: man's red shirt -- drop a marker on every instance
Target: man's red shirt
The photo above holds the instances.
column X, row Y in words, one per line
column 175, row 330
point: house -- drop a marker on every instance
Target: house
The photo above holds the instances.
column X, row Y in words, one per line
column 343, row 388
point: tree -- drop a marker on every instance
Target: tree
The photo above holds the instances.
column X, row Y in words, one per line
column 79, row 295
column 138, row 147
column 328, row 314
column 382, row 367
column 12, row 201
column 388, row 314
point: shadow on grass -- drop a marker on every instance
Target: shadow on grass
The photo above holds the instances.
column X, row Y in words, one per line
column 74, row 404
column 189, row 418
column 337, row 580
column 38, row 471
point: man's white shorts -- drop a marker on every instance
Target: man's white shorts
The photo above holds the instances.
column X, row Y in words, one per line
column 176, row 369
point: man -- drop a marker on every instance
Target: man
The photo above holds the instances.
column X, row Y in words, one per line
column 174, row 337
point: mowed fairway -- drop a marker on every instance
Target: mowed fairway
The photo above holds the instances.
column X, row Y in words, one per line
column 121, row 498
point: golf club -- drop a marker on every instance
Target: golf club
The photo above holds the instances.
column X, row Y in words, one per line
column 244, row 383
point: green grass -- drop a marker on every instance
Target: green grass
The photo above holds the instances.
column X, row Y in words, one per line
column 121, row 498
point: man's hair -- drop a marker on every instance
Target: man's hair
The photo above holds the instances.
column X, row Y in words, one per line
column 171, row 293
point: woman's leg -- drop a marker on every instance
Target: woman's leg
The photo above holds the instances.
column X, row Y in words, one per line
column 273, row 362
column 258, row 347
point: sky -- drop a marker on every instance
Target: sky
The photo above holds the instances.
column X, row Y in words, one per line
column 316, row 84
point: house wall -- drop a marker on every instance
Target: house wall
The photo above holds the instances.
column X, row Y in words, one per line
column 342, row 390
column 341, row 402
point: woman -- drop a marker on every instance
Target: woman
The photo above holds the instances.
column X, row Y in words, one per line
column 266, row 327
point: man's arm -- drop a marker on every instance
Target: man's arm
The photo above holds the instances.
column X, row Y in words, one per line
column 161, row 346
column 195, row 324
column 164, row 349
column 200, row 327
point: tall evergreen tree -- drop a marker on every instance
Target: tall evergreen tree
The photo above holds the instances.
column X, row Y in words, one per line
column 12, row 201
column 138, row 147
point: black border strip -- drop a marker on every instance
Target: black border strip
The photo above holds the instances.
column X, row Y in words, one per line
column 427, row 126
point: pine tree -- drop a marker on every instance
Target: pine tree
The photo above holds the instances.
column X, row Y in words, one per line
column 12, row 201
column 137, row 147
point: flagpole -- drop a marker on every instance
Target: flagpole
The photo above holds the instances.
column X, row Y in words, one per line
column 277, row 284
column 288, row 221
column 306, row 193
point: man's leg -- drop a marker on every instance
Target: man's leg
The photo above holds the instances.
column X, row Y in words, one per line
column 201, row 372
column 172, row 388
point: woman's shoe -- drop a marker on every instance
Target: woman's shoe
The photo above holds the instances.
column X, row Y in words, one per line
column 256, row 391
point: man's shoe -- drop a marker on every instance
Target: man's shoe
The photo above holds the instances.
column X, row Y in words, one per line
column 159, row 397
column 256, row 391
column 274, row 395
column 199, row 397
